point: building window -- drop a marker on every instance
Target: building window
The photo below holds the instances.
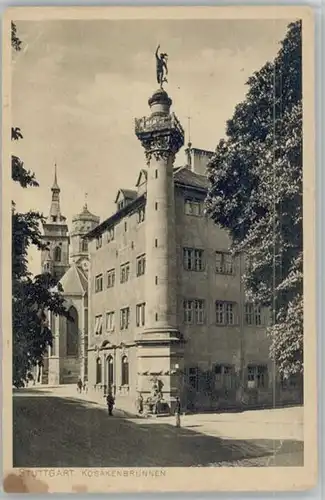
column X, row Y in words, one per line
column 98, row 325
column 110, row 234
column 84, row 245
column 99, row 242
column 253, row 315
column 110, row 278
column 156, row 206
column 156, row 174
column 124, row 272
column 125, row 226
column 194, row 311
column 141, row 265
column 225, row 313
column 224, row 263
column 98, row 371
column 257, row 376
column 156, row 243
column 140, row 314
column 193, row 377
column 99, row 283
column 156, row 280
column 72, row 332
column 188, row 311
column 193, row 207
column 156, row 316
column 125, row 370
column 224, row 376
column 193, row 259
column 120, row 205
column 141, row 215
column 110, row 321
column 124, row 318
column 57, row 254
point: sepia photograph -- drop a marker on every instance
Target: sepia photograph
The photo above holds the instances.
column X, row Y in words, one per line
column 158, row 242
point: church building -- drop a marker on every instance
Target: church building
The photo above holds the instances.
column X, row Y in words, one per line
column 67, row 259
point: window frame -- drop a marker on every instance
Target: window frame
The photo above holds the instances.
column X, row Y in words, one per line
column 226, row 263
column 141, row 265
column 110, row 315
column 110, row 275
column 140, row 312
column 193, row 259
column 190, row 206
column 98, row 283
column 225, row 315
column 98, row 324
column 124, row 272
column 124, row 318
column 253, row 315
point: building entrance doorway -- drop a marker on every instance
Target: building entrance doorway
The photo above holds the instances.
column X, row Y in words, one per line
column 110, row 372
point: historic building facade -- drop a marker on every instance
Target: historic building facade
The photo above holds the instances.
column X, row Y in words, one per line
column 167, row 311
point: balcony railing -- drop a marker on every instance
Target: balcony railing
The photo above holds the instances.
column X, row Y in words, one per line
column 156, row 123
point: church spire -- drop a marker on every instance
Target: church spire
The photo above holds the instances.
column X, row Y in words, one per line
column 55, row 211
column 55, row 186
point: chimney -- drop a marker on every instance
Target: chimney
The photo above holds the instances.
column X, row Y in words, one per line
column 197, row 159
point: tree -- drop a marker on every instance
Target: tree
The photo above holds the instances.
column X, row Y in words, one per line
column 32, row 296
column 256, row 194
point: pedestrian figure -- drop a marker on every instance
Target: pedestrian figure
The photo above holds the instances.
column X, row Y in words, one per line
column 79, row 385
column 110, row 403
column 85, row 387
column 140, row 404
column 178, row 412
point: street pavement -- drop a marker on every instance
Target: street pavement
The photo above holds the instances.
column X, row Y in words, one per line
column 55, row 431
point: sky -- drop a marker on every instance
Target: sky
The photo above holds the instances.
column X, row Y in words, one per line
column 78, row 85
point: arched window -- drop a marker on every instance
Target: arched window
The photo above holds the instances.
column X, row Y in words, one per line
column 98, row 371
column 72, row 333
column 125, row 370
column 110, row 371
column 84, row 245
column 57, row 254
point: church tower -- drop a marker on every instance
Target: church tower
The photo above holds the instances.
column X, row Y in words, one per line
column 55, row 234
column 81, row 224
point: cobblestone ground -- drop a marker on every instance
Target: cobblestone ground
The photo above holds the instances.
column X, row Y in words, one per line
column 51, row 431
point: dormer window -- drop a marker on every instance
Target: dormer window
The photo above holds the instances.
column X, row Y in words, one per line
column 124, row 197
column 54, row 218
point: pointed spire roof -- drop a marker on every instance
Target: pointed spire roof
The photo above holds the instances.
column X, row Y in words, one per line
column 55, row 186
column 55, row 215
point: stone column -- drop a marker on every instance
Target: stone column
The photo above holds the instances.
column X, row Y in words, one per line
column 162, row 136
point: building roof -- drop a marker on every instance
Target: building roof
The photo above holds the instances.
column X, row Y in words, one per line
column 130, row 194
column 183, row 178
column 74, row 281
column 142, row 175
column 115, row 217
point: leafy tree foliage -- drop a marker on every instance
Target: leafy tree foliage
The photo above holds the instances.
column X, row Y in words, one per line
column 32, row 296
column 256, row 194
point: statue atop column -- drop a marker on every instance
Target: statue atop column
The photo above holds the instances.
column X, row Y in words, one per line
column 161, row 65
